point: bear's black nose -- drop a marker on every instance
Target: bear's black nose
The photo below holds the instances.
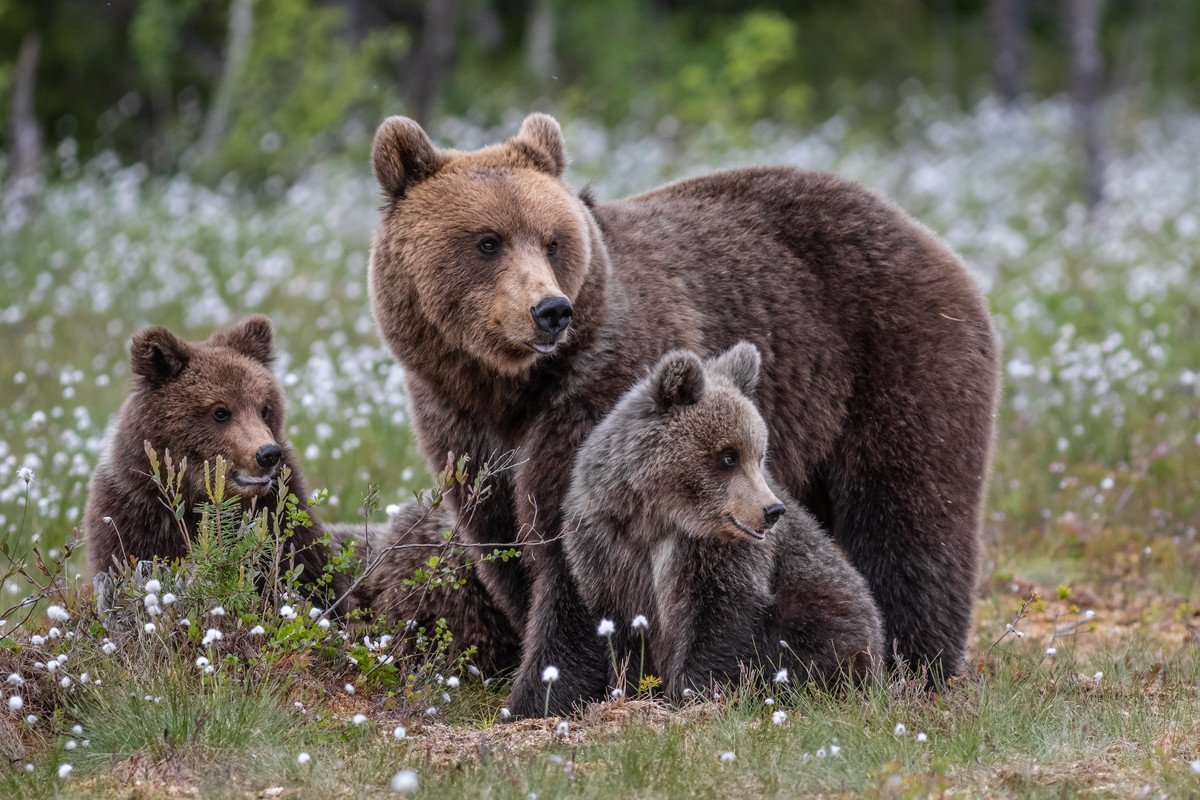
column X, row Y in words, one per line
column 553, row 314
column 772, row 513
column 268, row 455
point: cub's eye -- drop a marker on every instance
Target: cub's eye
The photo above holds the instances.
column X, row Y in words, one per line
column 266, row 412
column 489, row 246
column 727, row 459
column 221, row 414
column 552, row 248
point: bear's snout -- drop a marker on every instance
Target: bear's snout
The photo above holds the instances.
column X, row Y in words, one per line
column 268, row 455
column 552, row 315
column 773, row 512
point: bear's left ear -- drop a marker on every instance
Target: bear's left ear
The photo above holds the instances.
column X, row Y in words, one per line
column 741, row 364
column 252, row 337
column 678, row 380
column 542, row 140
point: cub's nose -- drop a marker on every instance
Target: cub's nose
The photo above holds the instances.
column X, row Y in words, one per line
column 772, row 513
column 268, row 455
column 553, row 314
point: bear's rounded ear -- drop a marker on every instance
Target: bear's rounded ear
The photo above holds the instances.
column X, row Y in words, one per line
column 741, row 364
column 252, row 337
column 158, row 355
column 402, row 156
column 542, row 139
column 678, row 380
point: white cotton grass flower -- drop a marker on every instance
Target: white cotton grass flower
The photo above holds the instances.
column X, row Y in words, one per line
column 1051, row 651
column 899, row 730
column 149, row 627
column 153, row 586
column 606, row 628
column 31, row 720
column 505, row 714
column 37, row 641
column 639, row 623
column 314, row 612
column 431, row 711
column 71, row 744
column 65, row 682
column 77, row 730
column 25, row 474
column 64, row 770
column 1195, row 765
column 210, row 636
column 169, row 599
column 323, row 624
column 405, row 781
column 781, row 676
column 217, row 611
column 617, row 693
column 52, row 666
column 550, row 674
column 258, row 630
column 563, row 728
column 202, row 662
column 15, row 680
column 85, row 678
column 185, row 623
column 16, row 703
column 922, row 738
column 453, row 682
column 728, row 757
column 349, row 688
column 1098, row 676
column 1089, row 614
column 303, row 758
column 108, row 648
column 53, row 633
column 287, row 612
column 779, row 717
column 57, row 613
column 770, row 701
column 399, row 733
column 359, row 719
column 29, row 767
column 835, row 749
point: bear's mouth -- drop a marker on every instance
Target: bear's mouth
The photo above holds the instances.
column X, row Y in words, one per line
column 544, row 348
column 253, row 481
column 756, row 535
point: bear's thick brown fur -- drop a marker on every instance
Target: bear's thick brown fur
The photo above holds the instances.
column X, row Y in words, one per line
column 198, row 400
column 391, row 553
column 671, row 515
column 879, row 364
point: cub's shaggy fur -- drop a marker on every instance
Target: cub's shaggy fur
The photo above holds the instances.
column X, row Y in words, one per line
column 393, row 552
column 672, row 516
column 199, row 400
column 522, row 314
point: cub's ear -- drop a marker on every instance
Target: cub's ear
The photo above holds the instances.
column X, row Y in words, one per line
column 542, row 140
column 741, row 365
column 158, row 355
column 678, row 380
column 402, row 156
column 252, row 337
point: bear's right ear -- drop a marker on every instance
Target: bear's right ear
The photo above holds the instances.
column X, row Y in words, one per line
column 678, row 380
column 252, row 337
column 402, row 156
column 158, row 355
column 741, row 364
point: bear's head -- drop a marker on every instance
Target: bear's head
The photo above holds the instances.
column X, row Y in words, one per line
column 482, row 252
column 214, row 398
column 685, row 448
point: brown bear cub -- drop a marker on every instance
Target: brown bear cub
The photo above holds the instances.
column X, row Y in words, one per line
column 199, row 400
column 390, row 556
column 522, row 313
column 671, row 515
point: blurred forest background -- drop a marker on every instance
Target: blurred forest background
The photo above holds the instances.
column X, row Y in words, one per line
column 263, row 87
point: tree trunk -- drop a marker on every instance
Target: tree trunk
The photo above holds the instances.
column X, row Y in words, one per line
column 241, row 26
column 1008, row 21
column 1087, row 88
column 433, row 59
column 539, row 41
column 25, row 132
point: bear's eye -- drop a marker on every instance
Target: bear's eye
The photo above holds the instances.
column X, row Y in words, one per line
column 552, row 248
column 266, row 412
column 728, row 459
column 489, row 246
column 221, row 414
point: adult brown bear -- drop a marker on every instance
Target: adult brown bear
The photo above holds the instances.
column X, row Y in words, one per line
column 522, row 313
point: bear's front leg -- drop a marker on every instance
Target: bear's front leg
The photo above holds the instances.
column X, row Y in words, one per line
column 560, row 631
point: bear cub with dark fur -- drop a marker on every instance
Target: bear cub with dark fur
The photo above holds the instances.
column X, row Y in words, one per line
column 199, row 400
column 671, row 515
